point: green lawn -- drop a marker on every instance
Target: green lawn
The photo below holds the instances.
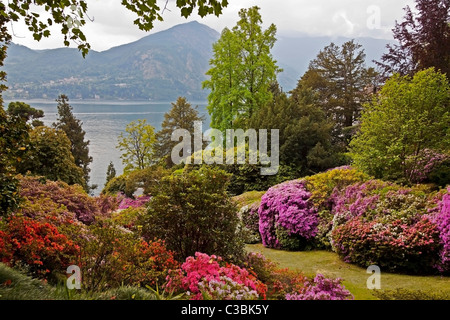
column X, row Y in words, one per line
column 355, row 278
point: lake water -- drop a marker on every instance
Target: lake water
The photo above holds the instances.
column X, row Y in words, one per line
column 103, row 122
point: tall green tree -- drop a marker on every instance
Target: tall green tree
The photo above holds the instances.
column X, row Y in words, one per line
column 342, row 82
column 181, row 116
column 410, row 114
column 242, row 70
column 110, row 172
column 72, row 127
column 50, row 155
column 137, row 145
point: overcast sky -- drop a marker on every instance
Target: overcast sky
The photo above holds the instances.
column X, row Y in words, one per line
column 113, row 23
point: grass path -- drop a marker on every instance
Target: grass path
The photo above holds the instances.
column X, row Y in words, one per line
column 355, row 278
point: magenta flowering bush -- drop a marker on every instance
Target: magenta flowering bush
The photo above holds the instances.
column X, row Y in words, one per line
column 421, row 166
column 285, row 210
column 203, row 276
column 322, row 288
column 441, row 217
column 141, row 201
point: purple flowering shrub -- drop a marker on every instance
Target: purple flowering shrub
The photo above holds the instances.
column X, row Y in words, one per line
column 285, row 208
column 441, row 217
column 126, row 202
column 420, row 167
column 322, row 288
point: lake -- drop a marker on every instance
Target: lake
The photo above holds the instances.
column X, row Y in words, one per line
column 103, row 122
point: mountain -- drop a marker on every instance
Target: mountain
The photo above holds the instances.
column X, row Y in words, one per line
column 158, row 67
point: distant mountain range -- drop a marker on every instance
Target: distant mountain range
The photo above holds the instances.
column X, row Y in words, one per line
column 158, row 67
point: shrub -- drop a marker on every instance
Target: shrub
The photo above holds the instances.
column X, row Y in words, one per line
column 112, row 257
column 287, row 207
column 393, row 246
column 441, row 217
column 322, row 288
column 250, row 220
column 130, row 218
column 37, row 244
column 58, row 194
column 428, row 165
column 134, row 203
column 192, row 212
column 204, row 276
column 405, row 294
column 115, row 185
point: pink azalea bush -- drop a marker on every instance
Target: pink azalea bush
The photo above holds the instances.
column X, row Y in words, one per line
column 441, row 217
column 421, row 166
column 287, row 207
column 322, row 288
column 126, row 202
column 207, row 276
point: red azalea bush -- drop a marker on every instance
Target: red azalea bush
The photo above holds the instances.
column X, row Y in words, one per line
column 197, row 273
column 393, row 246
column 37, row 244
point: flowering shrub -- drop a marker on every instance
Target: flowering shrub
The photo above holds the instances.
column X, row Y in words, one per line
column 112, row 257
column 197, row 273
column 134, row 203
column 58, row 194
column 441, row 218
column 393, row 246
column 129, row 218
column 39, row 245
column 421, row 166
column 322, row 288
column 226, row 289
column 287, row 207
column 250, row 220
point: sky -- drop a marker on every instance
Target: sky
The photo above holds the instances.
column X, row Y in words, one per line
column 112, row 23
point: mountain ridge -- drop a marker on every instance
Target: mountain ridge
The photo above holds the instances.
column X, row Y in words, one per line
column 157, row 67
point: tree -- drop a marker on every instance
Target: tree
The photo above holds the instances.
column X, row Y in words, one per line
column 192, row 212
column 410, row 115
column 423, row 40
column 304, row 130
column 242, row 70
column 50, row 156
column 341, row 81
column 26, row 112
column 72, row 127
column 181, row 116
column 110, row 172
column 137, row 145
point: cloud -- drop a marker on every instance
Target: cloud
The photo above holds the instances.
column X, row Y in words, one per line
column 113, row 23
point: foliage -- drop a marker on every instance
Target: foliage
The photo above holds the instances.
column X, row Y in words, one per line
column 248, row 198
column 405, row 294
column 115, row 185
column 322, row 288
column 25, row 112
column 242, row 70
column 110, row 172
column 287, row 207
column 72, row 127
column 50, row 156
column 134, row 203
column 203, row 276
column 147, row 179
column 423, row 40
column 130, row 218
column 427, row 164
column 14, row 139
column 339, row 78
column 181, row 116
column 393, row 246
column 137, row 145
column 250, row 220
column 111, row 257
column 39, row 245
column 304, row 132
column 192, row 212
column 56, row 195
column 409, row 116
column 441, row 217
